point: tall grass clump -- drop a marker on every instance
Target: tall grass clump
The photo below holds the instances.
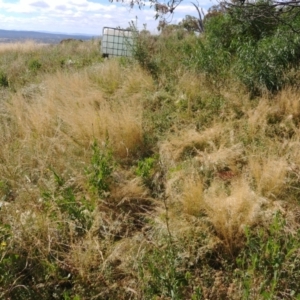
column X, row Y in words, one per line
column 80, row 116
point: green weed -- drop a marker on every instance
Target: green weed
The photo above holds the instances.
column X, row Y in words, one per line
column 34, row 65
column 3, row 79
column 272, row 259
column 161, row 274
column 102, row 166
column 144, row 167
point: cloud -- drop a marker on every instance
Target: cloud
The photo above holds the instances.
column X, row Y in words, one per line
column 9, row 1
column 60, row 7
column 80, row 3
column 189, row 9
column 40, row 4
column 80, row 16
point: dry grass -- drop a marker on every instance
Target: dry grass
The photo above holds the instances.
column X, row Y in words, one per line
column 188, row 143
column 180, row 223
column 192, row 197
column 210, row 173
column 136, row 81
column 86, row 256
column 46, row 146
column 189, row 85
column 230, row 209
column 21, row 47
column 269, row 175
column 257, row 119
column 222, row 158
column 190, row 88
column 112, row 76
column 108, row 76
column 230, row 214
column 288, row 103
column 72, row 110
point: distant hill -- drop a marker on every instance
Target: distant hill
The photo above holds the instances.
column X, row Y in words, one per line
column 7, row 36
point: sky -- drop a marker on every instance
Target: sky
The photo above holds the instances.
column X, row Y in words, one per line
column 83, row 16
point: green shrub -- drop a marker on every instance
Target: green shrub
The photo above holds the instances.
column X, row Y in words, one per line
column 161, row 274
column 101, row 168
column 76, row 209
column 213, row 61
column 164, row 54
column 142, row 52
column 34, row 65
column 243, row 43
column 3, row 79
column 262, row 65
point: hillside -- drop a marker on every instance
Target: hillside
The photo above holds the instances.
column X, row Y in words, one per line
column 8, row 36
column 174, row 174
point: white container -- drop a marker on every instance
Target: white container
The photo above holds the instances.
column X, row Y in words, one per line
column 116, row 42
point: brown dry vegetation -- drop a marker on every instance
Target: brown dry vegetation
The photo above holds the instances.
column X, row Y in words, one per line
column 114, row 186
column 20, row 47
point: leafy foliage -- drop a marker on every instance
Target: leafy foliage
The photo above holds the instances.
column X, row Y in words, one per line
column 99, row 173
column 161, row 275
column 256, row 51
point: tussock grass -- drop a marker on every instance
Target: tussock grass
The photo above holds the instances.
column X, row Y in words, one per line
column 193, row 195
column 230, row 214
column 188, row 143
column 72, row 110
column 257, row 119
column 288, row 103
column 269, row 175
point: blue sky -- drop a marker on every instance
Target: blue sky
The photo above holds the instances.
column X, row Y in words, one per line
column 81, row 16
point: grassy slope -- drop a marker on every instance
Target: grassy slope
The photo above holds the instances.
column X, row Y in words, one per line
column 115, row 185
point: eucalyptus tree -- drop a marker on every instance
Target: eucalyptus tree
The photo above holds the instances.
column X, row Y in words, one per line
column 166, row 9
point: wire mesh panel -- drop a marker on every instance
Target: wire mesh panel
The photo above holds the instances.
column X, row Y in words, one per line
column 117, row 42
